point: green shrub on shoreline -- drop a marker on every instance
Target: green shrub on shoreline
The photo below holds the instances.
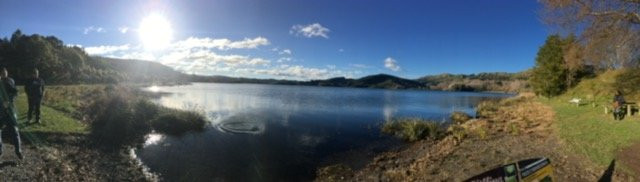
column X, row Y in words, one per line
column 178, row 122
column 118, row 117
column 412, row 129
column 113, row 122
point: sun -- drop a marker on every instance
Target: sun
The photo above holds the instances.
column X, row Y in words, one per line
column 155, row 32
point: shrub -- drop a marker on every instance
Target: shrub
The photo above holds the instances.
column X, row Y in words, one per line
column 177, row 122
column 487, row 108
column 118, row 118
column 145, row 110
column 481, row 132
column 114, row 124
column 412, row 129
column 459, row 117
column 458, row 132
column 628, row 81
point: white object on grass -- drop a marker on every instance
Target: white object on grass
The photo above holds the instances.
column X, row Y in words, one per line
column 575, row 101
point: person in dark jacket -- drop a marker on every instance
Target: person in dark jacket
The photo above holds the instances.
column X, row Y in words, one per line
column 35, row 91
column 618, row 106
column 8, row 117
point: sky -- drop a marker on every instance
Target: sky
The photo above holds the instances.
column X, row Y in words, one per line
column 294, row 39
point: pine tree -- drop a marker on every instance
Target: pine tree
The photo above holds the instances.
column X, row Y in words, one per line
column 549, row 74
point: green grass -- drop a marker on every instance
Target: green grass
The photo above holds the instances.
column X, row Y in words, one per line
column 586, row 129
column 53, row 121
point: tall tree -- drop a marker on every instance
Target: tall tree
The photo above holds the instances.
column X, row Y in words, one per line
column 548, row 77
column 609, row 30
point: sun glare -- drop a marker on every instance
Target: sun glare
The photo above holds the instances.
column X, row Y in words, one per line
column 155, row 32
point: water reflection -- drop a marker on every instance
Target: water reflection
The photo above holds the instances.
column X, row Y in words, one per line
column 281, row 133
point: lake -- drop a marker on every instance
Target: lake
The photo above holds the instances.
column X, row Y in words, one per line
column 283, row 133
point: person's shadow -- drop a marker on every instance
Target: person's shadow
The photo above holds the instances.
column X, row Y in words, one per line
column 608, row 174
column 5, row 164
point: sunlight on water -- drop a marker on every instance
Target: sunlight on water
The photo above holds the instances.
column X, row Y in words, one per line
column 154, row 88
column 153, row 139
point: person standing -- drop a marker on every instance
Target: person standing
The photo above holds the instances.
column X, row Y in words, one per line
column 8, row 116
column 35, row 91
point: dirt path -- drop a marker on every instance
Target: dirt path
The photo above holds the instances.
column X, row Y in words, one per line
column 519, row 129
column 67, row 158
column 629, row 159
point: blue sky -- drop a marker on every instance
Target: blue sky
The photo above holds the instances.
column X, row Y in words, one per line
column 295, row 39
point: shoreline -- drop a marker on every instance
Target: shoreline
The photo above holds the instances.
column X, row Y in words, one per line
column 520, row 128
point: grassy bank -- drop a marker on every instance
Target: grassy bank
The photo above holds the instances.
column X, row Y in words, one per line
column 590, row 132
column 78, row 121
column 586, row 129
column 53, row 121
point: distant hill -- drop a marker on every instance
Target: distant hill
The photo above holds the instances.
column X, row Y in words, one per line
column 372, row 81
column 498, row 81
column 226, row 79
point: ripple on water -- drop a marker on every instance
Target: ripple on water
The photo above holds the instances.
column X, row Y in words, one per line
column 242, row 124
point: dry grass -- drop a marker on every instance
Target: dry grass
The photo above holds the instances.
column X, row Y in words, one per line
column 459, row 117
column 412, row 129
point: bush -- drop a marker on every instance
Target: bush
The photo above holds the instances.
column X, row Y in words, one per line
column 458, row 132
column 487, row 108
column 459, row 117
column 176, row 122
column 119, row 119
column 145, row 110
column 114, row 123
column 628, row 81
column 412, row 129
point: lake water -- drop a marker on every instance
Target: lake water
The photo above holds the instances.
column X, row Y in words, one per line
column 282, row 133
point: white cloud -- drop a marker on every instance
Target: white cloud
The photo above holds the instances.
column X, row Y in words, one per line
column 311, row 30
column 211, row 58
column 340, row 50
column 285, row 51
column 102, row 50
column 202, row 56
column 221, row 44
column 123, row 29
column 296, row 71
column 92, row 29
column 284, row 59
column 392, row 64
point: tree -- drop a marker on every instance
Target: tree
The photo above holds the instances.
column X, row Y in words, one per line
column 549, row 74
column 628, row 81
column 609, row 30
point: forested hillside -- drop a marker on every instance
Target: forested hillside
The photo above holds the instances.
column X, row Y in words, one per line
column 62, row 64
column 499, row 81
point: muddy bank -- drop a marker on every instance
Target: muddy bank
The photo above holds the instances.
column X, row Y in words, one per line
column 68, row 157
column 514, row 129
